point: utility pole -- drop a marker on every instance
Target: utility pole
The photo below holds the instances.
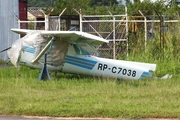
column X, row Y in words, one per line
column 52, row 3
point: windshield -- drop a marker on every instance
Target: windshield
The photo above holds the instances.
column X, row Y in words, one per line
column 80, row 50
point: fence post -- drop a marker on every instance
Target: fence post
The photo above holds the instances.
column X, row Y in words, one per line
column 114, row 35
column 114, row 39
column 127, row 30
column 59, row 20
column 80, row 19
column 145, row 27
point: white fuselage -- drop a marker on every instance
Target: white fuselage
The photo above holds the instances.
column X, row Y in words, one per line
column 91, row 65
column 71, row 52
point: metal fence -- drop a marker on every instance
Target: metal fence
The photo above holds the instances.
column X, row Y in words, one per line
column 113, row 28
column 116, row 29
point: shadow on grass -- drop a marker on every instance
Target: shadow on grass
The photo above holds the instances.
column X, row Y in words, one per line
column 88, row 78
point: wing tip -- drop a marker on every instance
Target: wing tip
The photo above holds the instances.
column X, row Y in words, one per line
column 20, row 31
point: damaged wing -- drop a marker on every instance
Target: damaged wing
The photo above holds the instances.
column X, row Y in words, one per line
column 75, row 36
column 21, row 31
column 69, row 36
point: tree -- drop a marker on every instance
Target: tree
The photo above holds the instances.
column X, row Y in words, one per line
column 87, row 6
column 147, row 6
column 59, row 5
column 102, row 6
column 39, row 3
column 103, row 2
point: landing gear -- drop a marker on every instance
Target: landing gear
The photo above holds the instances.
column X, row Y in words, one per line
column 44, row 75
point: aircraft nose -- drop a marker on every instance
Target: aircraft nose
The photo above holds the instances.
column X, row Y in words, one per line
column 14, row 52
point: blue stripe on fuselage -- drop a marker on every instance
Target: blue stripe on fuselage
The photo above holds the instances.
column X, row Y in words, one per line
column 80, row 62
column 29, row 49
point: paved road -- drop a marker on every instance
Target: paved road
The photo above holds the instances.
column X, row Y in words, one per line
column 2, row 117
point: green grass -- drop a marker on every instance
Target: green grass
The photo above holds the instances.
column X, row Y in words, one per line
column 85, row 96
column 78, row 96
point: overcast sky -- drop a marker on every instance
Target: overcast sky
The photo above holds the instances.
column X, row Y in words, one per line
column 133, row 0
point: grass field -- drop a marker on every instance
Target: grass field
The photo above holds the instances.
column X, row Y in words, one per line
column 85, row 96
column 78, row 96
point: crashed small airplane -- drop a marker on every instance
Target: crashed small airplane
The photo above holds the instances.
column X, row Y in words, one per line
column 71, row 52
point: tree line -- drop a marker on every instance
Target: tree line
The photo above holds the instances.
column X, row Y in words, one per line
column 165, row 7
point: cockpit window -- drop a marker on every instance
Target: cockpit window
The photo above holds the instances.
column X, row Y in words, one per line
column 80, row 50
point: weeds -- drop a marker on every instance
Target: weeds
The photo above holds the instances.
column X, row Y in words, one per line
column 79, row 96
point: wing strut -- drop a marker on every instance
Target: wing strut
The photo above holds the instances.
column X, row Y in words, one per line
column 34, row 61
column 44, row 75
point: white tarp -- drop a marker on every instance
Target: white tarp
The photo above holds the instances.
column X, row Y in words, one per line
column 14, row 52
column 38, row 42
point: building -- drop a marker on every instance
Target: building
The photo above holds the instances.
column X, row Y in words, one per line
column 23, row 13
column 66, row 22
column 10, row 10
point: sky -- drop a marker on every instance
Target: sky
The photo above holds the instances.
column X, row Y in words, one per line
column 133, row 0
